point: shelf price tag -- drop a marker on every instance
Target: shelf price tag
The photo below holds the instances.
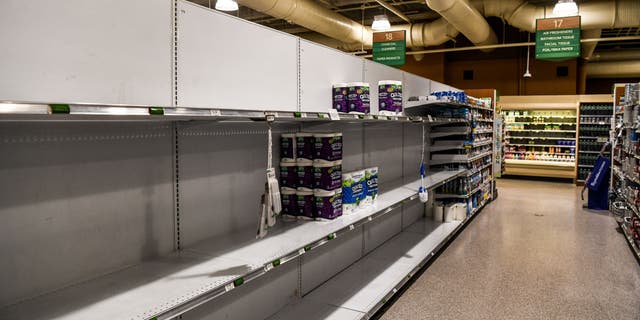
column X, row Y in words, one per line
column 301, row 251
column 333, row 115
column 430, row 119
column 268, row 267
column 216, row 113
column 351, row 227
column 229, row 287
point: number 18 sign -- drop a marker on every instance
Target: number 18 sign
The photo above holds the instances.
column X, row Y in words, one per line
column 390, row 47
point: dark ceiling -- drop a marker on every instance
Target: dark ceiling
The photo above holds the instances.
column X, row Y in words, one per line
column 418, row 11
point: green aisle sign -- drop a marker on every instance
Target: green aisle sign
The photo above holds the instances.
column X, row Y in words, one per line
column 558, row 38
column 389, row 47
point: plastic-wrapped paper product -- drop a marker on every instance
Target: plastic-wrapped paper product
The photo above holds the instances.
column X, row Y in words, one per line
column 389, row 97
column 288, row 147
column 340, row 92
column 371, row 178
column 353, row 190
column 304, row 145
column 358, row 97
column 327, row 146
column 289, row 201
column 305, row 204
column 304, row 173
column 288, row 174
column 328, row 204
column 327, row 174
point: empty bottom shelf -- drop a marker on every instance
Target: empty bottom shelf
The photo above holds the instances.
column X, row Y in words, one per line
column 360, row 290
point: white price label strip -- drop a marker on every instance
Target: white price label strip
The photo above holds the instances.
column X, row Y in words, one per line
column 333, row 115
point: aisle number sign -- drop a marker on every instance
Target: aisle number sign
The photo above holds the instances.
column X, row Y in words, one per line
column 390, row 47
column 558, row 38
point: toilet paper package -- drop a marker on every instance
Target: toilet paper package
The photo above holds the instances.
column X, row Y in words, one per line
column 328, row 204
column 390, row 97
column 438, row 211
column 288, row 147
column 371, row 178
column 353, row 190
column 304, row 145
column 289, row 200
column 358, row 97
column 449, row 212
column 340, row 91
column 288, row 174
column 304, row 174
column 305, row 203
column 327, row 146
column 327, row 175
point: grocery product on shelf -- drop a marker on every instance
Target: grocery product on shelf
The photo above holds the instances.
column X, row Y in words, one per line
column 340, row 91
column 353, row 190
column 358, row 98
column 304, row 145
column 389, row 97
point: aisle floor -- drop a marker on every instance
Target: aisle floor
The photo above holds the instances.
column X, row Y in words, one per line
column 534, row 253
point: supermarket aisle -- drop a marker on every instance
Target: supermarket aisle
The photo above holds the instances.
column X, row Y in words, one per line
column 534, row 253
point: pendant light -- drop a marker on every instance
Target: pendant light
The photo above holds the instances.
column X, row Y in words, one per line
column 527, row 73
column 381, row 23
column 226, row 5
column 565, row 8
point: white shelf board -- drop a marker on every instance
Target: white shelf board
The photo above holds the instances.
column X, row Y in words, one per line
column 541, row 162
column 367, row 282
column 155, row 287
column 134, row 293
column 308, row 309
column 469, row 159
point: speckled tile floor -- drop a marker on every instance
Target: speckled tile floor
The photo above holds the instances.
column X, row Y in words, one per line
column 534, row 253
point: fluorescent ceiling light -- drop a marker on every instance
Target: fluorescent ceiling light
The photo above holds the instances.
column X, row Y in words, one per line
column 226, row 5
column 381, row 23
column 565, row 8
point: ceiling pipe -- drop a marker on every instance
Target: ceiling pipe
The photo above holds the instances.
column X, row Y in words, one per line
column 615, row 55
column 587, row 48
column 613, row 69
column 313, row 16
column 465, row 18
column 424, row 34
column 594, row 14
column 393, row 9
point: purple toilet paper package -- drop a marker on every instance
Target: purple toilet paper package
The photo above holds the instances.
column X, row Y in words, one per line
column 390, row 97
column 327, row 146
column 289, row 200
column 288, row 147
column 305, row 204
column 340, row 91
column 358, row 97
column 328, row 204
column 327, row 174
column 304, row 145
column 304, row 170
column 289, row 174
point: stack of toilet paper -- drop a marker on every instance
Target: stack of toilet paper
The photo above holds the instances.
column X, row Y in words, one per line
column 359, row 189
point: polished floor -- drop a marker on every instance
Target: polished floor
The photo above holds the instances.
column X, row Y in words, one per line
column 534, row 253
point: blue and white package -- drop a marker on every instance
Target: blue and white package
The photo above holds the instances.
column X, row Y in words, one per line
column 371, row 178
column 353, row 190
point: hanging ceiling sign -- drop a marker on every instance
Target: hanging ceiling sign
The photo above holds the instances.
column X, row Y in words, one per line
column 558, row 38
column 390, row 47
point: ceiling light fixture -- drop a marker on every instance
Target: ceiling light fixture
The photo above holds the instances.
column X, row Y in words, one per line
column 381, row 23
column 226, row 5
column 565, row 8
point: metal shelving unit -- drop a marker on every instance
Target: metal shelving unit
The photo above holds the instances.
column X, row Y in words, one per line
column 185, row 280
column 624, row 176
